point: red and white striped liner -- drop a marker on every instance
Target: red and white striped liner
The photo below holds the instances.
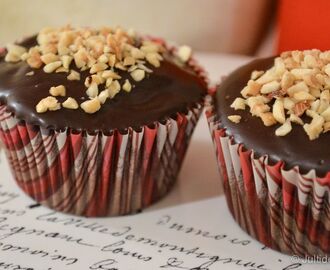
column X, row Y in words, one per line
column 99, row 175
column 283, row 209
column 96, row 175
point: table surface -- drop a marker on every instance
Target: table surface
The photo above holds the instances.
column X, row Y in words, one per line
column 196, row 201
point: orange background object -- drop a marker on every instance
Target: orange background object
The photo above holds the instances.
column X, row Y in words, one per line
column 304, row 24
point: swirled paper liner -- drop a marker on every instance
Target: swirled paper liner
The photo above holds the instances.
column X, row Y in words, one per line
column 283, row 209
column 96, row 175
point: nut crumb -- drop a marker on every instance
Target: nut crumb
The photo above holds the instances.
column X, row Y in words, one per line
column 58, row 91
column 184, row 53
column 138, row 75
column 51, row 67
column 70, row 103
column 31, row 73
column 91, row 106
column 127, row 86
column 48, row 104
column 235, row 118
column 74, row 76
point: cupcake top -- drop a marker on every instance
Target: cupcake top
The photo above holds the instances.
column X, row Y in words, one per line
column 97, row 79
column 280, row 107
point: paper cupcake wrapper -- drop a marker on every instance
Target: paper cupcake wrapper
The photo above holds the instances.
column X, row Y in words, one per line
column 96, row 175
column 283, row 209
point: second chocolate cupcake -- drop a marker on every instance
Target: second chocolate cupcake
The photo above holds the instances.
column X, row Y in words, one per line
column 270, row 122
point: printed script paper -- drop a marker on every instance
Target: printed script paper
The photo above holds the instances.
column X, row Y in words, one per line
column 195, row 236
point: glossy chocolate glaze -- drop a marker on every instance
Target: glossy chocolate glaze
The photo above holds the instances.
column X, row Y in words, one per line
column 165, row 92
column 293, row 149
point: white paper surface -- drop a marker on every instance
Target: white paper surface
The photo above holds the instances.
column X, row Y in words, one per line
column 190, row 229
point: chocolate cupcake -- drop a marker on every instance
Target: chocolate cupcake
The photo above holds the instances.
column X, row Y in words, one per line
column 96, row 122
column 270, row 124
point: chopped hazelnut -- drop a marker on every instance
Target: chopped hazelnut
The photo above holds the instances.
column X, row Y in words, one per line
column 98, row 67
column 252, row 89
column 314, row 129
column 154, row 59
column 235, row 118
column 14, row 53
column 114, row 88
column 48, row 103
column 129, row 61
column 61, row 70
column 91, row 106
column 268, row 119
column 58, row 91
column 66, row 61
column 238, row 104
column 127, row 86
column 184, row 53
column 92, row 90
column 137, row 53
column 74, row 76
column 110, row 74
column 51, row 67
column 270, row 87
column 103, row 96
column 296, row 119
column 70, row 103
column 284, row 129
column 256, row 74
column 278, row 111
column 138, row 75
column 31, row 73
column 49, row 58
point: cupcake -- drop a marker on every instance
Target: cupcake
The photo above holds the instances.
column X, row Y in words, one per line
column 96, row 122
column 270, row 122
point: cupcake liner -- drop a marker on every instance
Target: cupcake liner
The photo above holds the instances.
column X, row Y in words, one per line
column 96, row 174
column 283, row 209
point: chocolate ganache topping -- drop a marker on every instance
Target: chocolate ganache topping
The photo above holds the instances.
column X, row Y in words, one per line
column 293, row 149
column 169, row 88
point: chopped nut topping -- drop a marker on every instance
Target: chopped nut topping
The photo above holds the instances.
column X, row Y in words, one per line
column 66, row 61
column 106, row 54
column 91, row 106
column 114, row 88
column 70, row 103
column 184, row 53
column 49, row 58
column 61, row 70
column 110, row 74
column 58, row 91
column 93, row 90
column 268, row 119
column 51, row 67
column 284, row 129
column 48, row 103
column 235, row 118
column 98, row 67
column 14, row 53
column 138, row 75
column 31, row 73
column 154, row 59
column 103, row 96
column 127, row 86
column 256, row 74
column 298, row 84
column 74, row 76
column 238, row 104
